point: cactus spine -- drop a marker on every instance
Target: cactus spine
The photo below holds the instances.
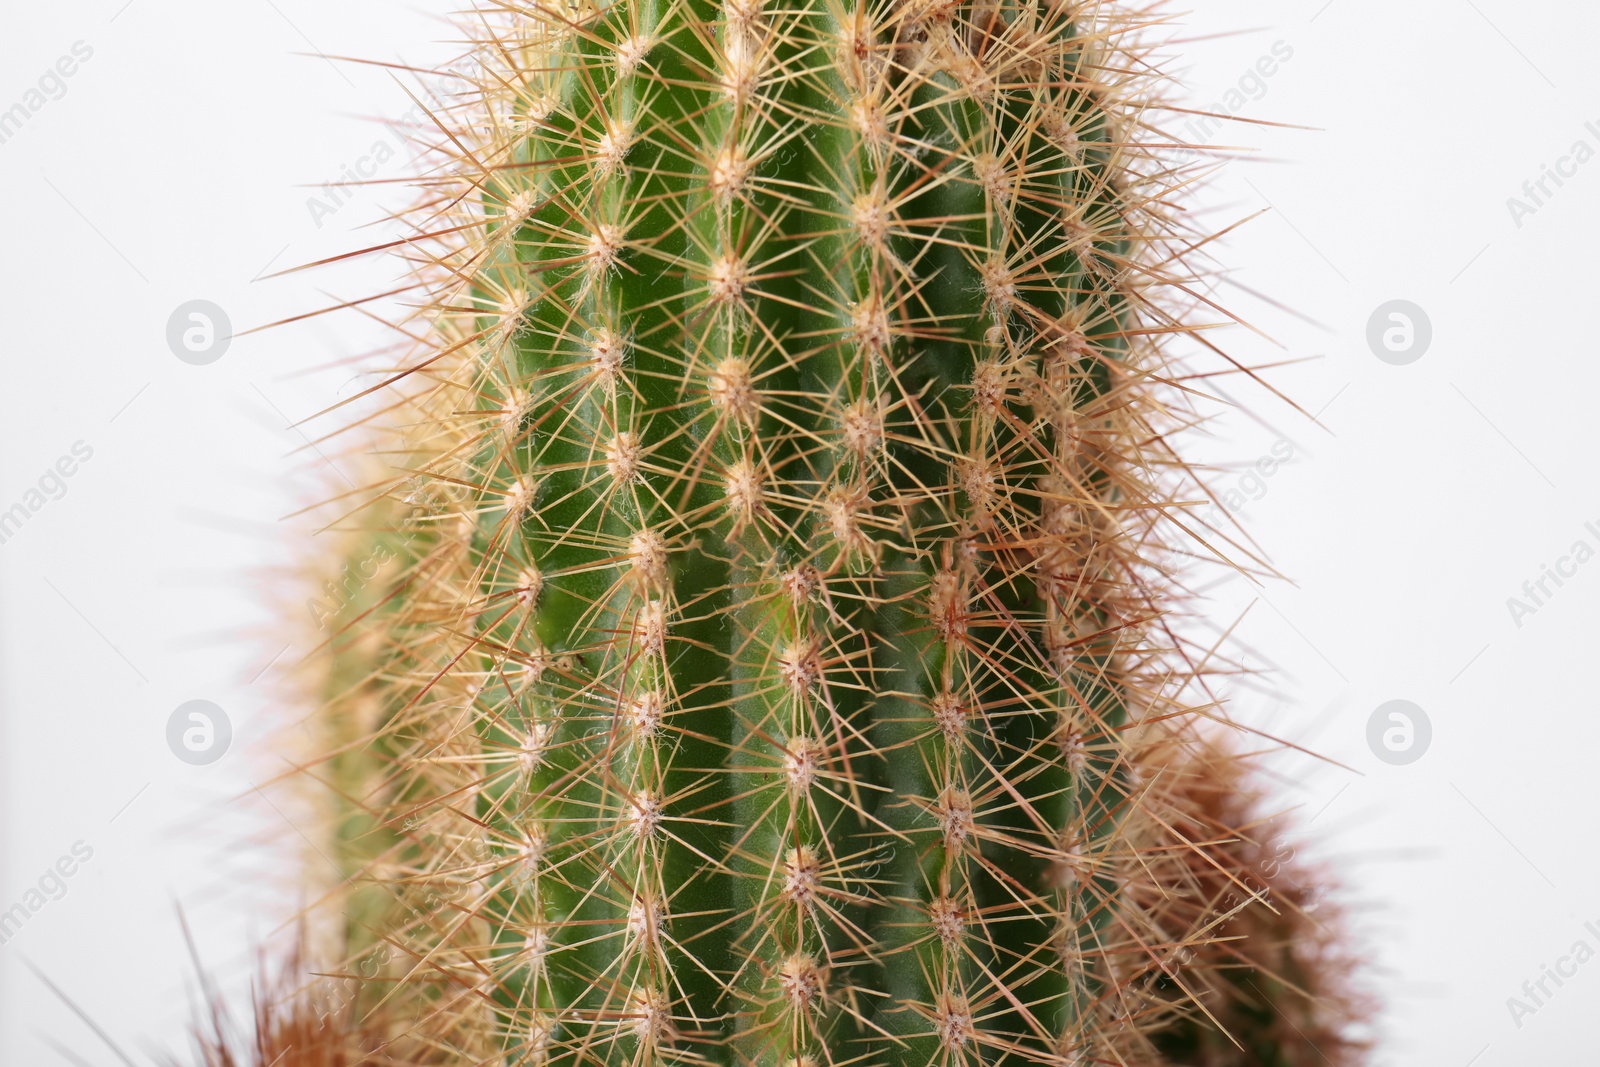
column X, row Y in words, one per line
column 778, row 674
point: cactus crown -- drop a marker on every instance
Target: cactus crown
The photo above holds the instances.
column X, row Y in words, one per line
column 779, row 672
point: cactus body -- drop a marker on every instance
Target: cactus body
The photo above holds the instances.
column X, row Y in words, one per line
column 777, row 674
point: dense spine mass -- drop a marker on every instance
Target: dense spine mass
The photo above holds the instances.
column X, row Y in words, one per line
column 778, row 672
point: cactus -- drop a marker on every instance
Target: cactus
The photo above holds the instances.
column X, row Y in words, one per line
column 780, row 667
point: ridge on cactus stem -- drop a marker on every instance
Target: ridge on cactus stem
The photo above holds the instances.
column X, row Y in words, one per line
column 781, row 666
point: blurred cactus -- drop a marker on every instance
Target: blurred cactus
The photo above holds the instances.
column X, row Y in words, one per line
column 777, row 665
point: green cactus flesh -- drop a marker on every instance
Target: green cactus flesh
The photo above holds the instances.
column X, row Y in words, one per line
column 778, row 664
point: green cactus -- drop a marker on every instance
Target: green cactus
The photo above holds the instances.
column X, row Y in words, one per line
column 779, row 669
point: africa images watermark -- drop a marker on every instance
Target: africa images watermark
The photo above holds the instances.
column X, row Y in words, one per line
column 51, row 85
column 1249, row 87
column 51, row 885
column 1536, row 192
column 1243, row 486
column 341, row 593
column 51, row 485
column 1277, row 876
column 346, row 590
column 339, row 192
column 1537, row 592
column 1536, row 992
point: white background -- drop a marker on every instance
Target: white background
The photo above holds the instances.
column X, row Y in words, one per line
column 170, row 169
